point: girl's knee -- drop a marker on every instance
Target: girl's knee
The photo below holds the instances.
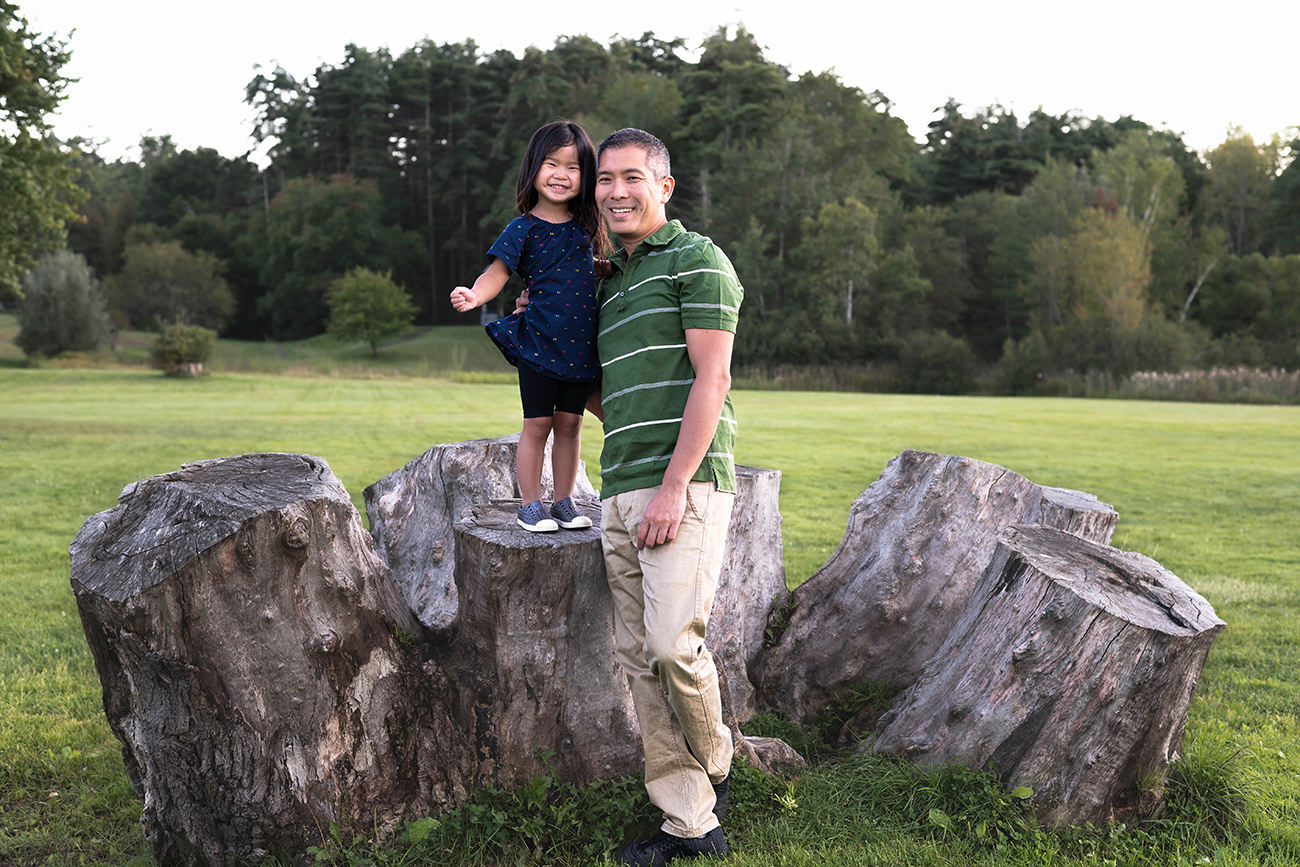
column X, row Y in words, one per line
column 538, row 428
column 567, row 425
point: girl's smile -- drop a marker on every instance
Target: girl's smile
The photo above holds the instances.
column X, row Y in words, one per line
column 559, row 179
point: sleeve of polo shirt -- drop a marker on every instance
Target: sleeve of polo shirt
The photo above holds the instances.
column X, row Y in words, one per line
column 710, row 291
column 509, row 246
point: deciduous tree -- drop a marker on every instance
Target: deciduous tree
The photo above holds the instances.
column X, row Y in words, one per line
column 62, row 309
column 1237, row 192
column 37, row 191
column 316, row 231
column 164, row 284
column 368, row 306
column 1283, row 235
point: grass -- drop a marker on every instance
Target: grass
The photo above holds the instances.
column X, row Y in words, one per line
column 1210, row 490
column 446, row 351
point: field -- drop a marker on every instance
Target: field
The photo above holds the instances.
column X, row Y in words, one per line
column 1211, row 491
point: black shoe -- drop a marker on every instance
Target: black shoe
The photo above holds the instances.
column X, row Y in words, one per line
column 664, row 847
column 720, row 797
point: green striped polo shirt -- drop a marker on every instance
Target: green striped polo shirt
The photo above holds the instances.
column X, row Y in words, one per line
column 673, row 280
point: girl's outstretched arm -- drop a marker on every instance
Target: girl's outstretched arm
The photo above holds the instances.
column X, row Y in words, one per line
column 485, row 288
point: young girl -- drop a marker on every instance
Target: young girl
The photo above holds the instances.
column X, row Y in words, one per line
column 553, row 340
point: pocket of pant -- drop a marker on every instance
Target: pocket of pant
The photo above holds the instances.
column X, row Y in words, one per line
column 690, row 500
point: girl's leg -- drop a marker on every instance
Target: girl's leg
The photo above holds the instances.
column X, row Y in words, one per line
column 537, row 393
column 565, row 452
column 528, row 457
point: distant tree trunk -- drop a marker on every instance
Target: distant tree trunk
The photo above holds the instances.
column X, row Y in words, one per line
column 1071, row 672
column 705, row 203
column 1191, row 296
column 431, row 232
column 917, row 541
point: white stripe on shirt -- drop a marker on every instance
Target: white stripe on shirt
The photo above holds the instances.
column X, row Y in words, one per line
column 643, row 349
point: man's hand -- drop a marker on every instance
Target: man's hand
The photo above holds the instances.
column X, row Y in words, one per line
column 662, row 517
column 521, row 303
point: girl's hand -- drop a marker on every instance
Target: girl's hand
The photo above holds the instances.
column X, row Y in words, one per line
column 462, row 298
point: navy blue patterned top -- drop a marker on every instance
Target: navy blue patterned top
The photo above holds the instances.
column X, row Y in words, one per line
column 556, row 333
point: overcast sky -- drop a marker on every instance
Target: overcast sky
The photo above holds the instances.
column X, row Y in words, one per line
column 168, row 67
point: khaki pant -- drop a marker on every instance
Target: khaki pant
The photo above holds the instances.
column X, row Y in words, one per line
column 662, row 599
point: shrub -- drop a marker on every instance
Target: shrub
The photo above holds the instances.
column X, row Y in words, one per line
column 1024, row 363
column 183, row 349
column 934, row 362
column 365, row 305
column 62, row 309
column 163, row 283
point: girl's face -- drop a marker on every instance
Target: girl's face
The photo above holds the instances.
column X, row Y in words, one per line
column 559, row 180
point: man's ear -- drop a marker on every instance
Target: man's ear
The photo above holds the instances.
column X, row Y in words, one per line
column 666, row 189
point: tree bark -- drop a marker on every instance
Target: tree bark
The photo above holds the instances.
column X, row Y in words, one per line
column 269, row 673
column 256, row 662
column 917, row 541
column 751, row 584
column 412, row 511
column 1070, row 672
column 534, row 653
column 267, row 677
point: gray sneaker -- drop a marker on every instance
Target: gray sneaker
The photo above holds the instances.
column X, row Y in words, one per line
column 532, row 517
column 567, row 515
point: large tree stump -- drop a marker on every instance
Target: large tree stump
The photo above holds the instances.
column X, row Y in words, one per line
column 412, row 511
column 256, row 663
column 534, row 652
column 750, row 585
column 266, row 676
column 918, row 539
column 1070, row 672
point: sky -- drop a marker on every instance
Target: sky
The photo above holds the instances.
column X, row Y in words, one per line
column 154, row 67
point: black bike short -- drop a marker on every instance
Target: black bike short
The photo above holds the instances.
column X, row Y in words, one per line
column 543, row 396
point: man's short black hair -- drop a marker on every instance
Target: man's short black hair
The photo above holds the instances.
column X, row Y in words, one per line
column 656, row 152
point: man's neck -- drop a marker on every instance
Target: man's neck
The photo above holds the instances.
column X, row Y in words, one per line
column 631, row 246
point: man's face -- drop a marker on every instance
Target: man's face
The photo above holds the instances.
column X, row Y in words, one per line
column 629, row 195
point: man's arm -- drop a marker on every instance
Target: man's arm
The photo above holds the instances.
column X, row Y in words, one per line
column 710, row 354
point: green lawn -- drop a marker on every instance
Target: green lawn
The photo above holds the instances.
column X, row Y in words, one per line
column 1212, row 491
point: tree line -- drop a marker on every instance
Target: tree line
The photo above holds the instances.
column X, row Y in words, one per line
column 1046, row 243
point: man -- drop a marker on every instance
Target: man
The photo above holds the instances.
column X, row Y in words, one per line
column 667, row 324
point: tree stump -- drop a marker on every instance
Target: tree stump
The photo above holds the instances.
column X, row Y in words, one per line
column 1071, row 672
column 412, row 511
column 256, row 663
column 266, row 677
column 751, row 584
column 534, row 652
column 918, row 539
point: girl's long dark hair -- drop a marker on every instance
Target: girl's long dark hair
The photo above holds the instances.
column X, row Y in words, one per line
column 546, row 141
